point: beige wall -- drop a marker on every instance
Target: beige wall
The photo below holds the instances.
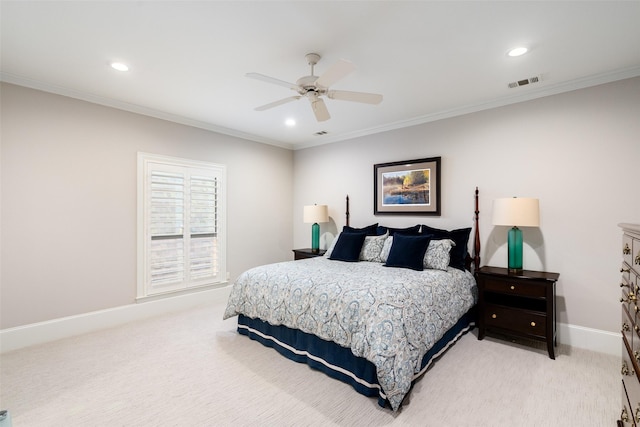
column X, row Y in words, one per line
column 577, row 152
column 69, row 201
column 68, row 176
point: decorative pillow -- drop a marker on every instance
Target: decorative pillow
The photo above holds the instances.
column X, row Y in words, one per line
column 460, row 237
column 372, row 248
column 348, row 247
column 386, row 247
column 331, row 246
column 369, row 230
column 408, row 252
column 411, row 231
column 438, row 256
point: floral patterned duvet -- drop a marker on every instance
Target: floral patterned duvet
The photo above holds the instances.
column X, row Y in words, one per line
column 389, row 316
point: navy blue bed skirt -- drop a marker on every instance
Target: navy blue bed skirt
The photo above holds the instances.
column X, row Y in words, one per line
column 336, row 361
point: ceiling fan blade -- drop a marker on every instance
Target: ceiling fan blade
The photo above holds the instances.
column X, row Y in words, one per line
column 345, row 95
column 276, row 103
column 320, row 110
column 273, row 80
column 337, row 71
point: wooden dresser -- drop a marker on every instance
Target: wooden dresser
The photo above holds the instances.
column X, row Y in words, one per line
column 630, row 285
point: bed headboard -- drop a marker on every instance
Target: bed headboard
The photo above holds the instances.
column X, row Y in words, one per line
column 471, row 261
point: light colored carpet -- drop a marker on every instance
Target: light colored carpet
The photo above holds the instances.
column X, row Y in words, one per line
column 193, row 369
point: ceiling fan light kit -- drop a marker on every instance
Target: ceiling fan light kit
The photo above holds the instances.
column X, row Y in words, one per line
column 315, row 87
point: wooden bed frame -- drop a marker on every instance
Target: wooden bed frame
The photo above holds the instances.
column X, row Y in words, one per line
column 470, row 261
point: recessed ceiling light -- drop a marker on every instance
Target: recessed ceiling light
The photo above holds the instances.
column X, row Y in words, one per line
column 290, row 122
column 517, row 51
column 119, row 66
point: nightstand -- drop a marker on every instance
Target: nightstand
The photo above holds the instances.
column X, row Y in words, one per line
column 307, row 253
column 521, row 304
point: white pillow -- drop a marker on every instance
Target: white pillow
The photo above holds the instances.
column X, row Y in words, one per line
column 384, row 254
column 372, row 248
column 331, row 246
column 438, row 254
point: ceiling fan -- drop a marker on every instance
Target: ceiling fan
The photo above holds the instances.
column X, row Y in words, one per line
column 314, row 87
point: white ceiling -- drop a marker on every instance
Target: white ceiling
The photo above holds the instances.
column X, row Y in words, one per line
column 429, row 59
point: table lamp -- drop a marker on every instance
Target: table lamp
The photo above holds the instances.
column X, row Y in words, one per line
column 514, row 212
column 315, row 214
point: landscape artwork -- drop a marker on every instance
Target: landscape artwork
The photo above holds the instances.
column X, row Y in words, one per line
column 411, row 187
column 406, row 187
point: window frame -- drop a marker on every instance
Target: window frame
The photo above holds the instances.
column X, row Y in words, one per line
column 147, row 162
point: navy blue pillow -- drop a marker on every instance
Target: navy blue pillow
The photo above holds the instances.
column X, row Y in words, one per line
column 408, row 252
column 369, row 230
column 411, row 231
column 458, row 254
column 348, row 247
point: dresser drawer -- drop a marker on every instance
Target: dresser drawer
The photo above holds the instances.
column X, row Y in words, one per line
column 629, row 388
column 627, row 328
column 627, row 249
column 519, row 288
column 635, row 255
column 625, row 415
column 631, row 385
column 516, row 320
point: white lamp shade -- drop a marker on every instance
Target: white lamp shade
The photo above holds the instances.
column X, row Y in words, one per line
column 315, row 214
column 516, row 211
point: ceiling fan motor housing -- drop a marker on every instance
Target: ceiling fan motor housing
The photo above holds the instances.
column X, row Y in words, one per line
column 307, row 84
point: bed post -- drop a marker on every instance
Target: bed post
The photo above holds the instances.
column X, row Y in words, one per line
column 347, row 211
column 476, row 238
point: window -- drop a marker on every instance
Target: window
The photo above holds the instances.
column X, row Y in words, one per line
column 181, row 224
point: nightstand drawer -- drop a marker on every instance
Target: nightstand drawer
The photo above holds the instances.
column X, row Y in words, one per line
column 516, row 320
column 513, row 287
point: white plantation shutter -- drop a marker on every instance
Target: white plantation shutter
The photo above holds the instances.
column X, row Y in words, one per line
column 166, row 227
column 181, row 225
column 203, row 249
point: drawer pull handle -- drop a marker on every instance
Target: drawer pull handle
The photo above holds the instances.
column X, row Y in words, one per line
column 636, row 328
column 625, row 370
column 493, row 316
column 636, row 356
column 625, row 327
column 632, row 296
column 623, row 285
column 637, row 260
column 638, row 413
column 512, row 287
column 625, row 270
column 533, row 323
column 626, row 250
column 624, row 417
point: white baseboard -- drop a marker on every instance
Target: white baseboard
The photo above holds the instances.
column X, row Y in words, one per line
column 590, row 339
column 39, row 333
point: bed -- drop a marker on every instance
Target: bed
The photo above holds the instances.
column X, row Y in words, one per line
column 376, row 322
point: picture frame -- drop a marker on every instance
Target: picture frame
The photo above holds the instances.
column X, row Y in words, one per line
column 410, row 187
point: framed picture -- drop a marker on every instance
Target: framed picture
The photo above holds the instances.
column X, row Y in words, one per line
column 407, row 187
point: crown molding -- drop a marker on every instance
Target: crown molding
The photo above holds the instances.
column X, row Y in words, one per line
column 133, row 108
column 531, row 94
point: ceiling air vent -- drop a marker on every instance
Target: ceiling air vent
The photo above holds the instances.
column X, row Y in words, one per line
column 320, row 133
column 524, row 82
